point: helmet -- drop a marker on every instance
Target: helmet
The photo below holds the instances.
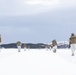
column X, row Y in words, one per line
column 72, row 34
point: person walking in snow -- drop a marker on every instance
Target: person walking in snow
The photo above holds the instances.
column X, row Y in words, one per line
column 54, row 46
column 50, row 46
column 24, row 47
column 0, row 41
column 19, row 45
column 72, row 42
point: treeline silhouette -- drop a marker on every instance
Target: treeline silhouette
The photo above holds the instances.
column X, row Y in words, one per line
column 28, row 45
column 31, row 45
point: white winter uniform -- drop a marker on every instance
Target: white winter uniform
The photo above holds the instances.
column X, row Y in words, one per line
column 24, row 48
column 72, row 41
column 73, row 48
column 54, row 47
column 19, row 48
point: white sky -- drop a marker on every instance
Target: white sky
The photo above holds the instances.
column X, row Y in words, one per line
column 35, row 18
column 42, row 2
column 27, row 7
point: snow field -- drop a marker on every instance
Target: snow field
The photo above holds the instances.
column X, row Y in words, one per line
column 37, row 62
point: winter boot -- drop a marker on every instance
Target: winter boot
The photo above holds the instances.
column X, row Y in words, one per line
column 54, row 51
column 72, row 54
column 18, row 50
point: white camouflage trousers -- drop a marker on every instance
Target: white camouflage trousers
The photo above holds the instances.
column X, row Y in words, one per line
column 73, row 48
column 54, row 48
column 19, row 48
column 24, row 48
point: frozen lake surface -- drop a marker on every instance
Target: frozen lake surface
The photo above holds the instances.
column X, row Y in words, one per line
column 37, row 62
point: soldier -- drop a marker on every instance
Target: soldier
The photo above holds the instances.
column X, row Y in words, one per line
column 19, row 45
column 51, row 46
column 72, row 42
column 0, row 41
column 24, row 47
column 54, row 45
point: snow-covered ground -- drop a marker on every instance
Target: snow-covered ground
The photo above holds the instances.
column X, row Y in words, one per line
column 37, row 62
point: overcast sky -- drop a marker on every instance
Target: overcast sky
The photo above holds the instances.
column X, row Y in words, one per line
column 37, row 21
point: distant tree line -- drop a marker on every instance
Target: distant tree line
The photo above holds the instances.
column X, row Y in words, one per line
column 28, row 45
column 31, row 45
